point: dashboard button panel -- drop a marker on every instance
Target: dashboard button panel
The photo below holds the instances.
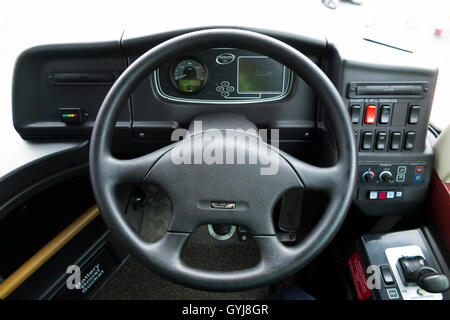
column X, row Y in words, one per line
column 400, row 109
column 391, row 174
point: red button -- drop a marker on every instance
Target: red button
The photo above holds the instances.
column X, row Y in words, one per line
column 382, row 195
column 371, row 111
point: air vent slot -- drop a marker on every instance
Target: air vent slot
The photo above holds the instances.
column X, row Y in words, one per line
column 388, row 89
column 82, row 78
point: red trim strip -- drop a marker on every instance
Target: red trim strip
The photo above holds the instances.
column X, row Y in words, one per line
column 439, row 203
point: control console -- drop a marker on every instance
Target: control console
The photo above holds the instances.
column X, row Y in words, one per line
column 392, row 188
column 390, row 121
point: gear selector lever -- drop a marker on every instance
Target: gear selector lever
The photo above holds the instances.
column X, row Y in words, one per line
column 415, row 270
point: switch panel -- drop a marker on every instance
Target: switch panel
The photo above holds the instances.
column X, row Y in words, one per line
column 392, row 187
column 379, row 129
column 390, row 121
column 392, row 174
column 396, row 108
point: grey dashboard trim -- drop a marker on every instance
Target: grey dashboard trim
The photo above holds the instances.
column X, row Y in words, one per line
column 245, row 100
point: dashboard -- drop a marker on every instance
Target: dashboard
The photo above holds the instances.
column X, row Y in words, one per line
column 389, row 104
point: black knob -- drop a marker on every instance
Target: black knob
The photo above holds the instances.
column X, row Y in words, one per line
column 430, row 280
column 386, row 176
column 368, row 176
column 415, row 270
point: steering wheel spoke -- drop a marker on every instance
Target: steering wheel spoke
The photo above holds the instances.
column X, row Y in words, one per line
column 167, row 250
column 271, row 250
column 131, row 170
column 316, row 178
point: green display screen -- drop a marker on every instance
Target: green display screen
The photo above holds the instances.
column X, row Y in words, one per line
column 189, row 85
column 260, row 75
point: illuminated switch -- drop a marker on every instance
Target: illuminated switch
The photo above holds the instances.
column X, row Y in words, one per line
column 390, row 195
column 373, row 195
column 382, row 195
column 371, row 112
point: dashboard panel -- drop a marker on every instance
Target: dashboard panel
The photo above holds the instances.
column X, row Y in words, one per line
column 388, row 104
column 223, row 76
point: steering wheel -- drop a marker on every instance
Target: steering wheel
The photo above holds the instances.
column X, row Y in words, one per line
column 192, row 187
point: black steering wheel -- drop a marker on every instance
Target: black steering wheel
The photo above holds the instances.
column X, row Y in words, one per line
column 191, row 188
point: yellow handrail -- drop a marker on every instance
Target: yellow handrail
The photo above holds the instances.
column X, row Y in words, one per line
column 48, row 251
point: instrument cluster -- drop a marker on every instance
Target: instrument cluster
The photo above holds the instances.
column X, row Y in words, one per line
column 223, row 76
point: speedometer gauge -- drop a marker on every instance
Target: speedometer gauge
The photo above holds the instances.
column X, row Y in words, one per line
column 188, row 75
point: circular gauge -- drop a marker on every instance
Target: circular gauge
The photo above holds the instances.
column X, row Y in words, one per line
column 188, row 75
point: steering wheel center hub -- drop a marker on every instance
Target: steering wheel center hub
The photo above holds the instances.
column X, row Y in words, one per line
column 218, row 177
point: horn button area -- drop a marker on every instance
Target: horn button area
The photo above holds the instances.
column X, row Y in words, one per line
column 223, row 176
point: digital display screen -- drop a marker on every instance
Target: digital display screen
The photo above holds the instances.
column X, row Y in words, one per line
column 260, row 74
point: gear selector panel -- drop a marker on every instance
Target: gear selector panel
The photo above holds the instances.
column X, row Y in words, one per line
column 398, row 266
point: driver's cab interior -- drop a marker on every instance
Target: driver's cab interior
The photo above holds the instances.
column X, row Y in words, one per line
column 225, row 163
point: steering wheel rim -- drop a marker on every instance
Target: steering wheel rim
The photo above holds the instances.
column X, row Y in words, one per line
column 277, row 261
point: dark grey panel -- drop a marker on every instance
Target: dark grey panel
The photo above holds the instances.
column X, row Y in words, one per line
column 50, row 77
